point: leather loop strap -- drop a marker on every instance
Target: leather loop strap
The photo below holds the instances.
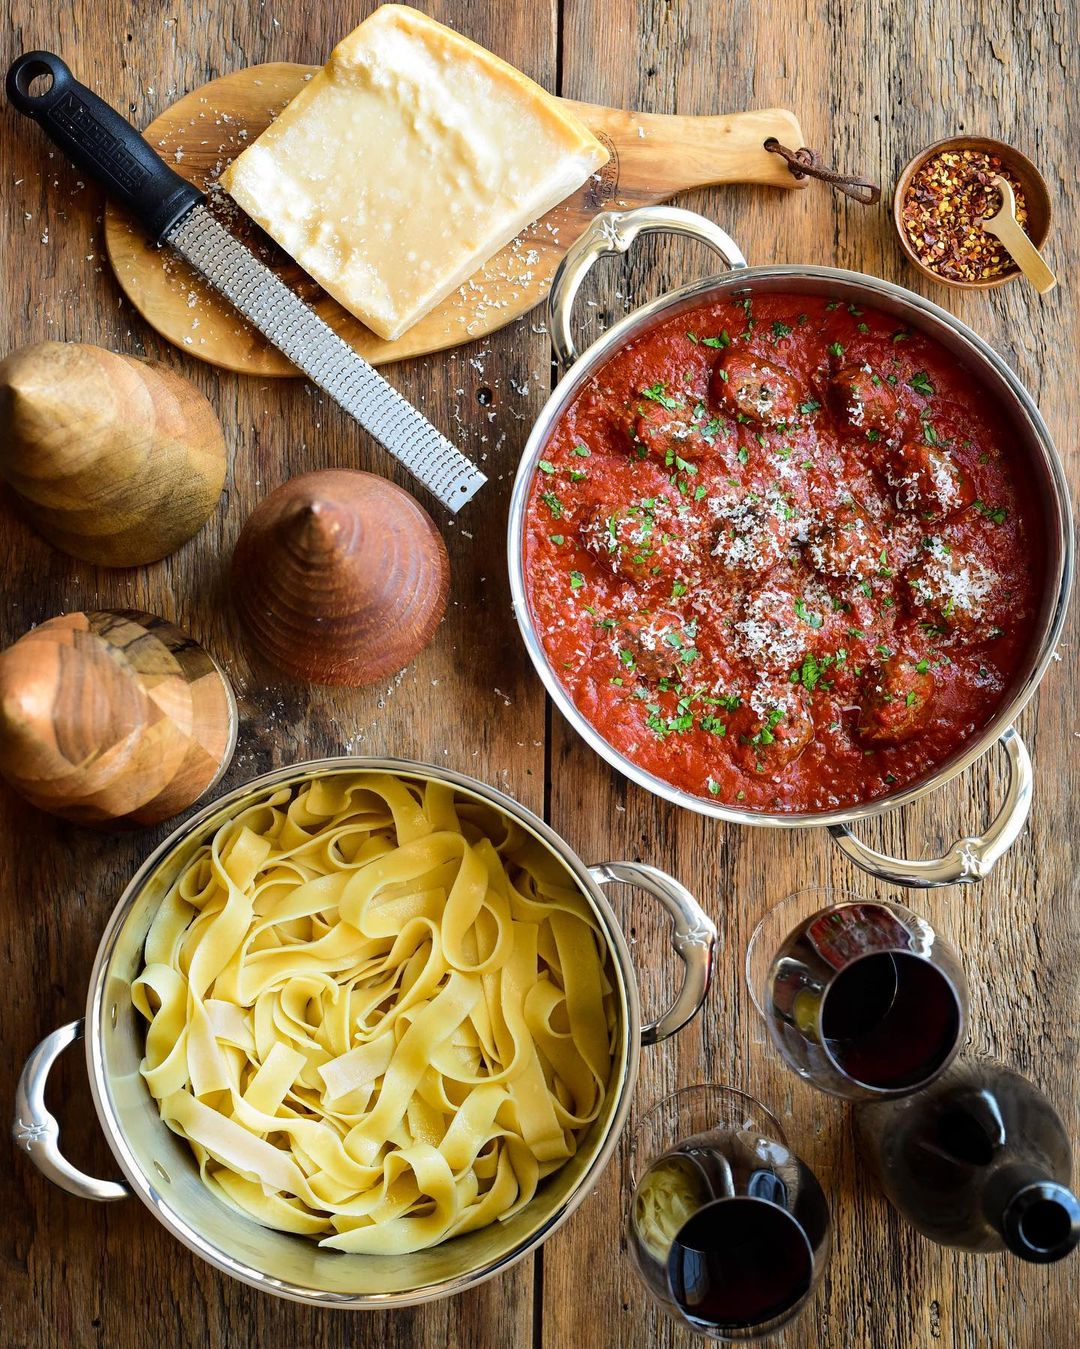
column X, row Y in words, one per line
column 805, row 163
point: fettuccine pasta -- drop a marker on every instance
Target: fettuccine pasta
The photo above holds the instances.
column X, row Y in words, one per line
column 380, row 1013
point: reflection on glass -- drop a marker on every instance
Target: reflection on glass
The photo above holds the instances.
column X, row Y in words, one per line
column 862, row 998
column 727, row 1228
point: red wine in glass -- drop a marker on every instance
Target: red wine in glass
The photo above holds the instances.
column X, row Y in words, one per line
column 728, row 1229
column 862, row 998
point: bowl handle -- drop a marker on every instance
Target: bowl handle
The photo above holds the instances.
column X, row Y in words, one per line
column 613, row 232
column 969, row 859
column 36, row 1131
column 693, row 935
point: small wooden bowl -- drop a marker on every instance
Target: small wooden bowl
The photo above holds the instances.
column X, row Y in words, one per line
column 1036, row 195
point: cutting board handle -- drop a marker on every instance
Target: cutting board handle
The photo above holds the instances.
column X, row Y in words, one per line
column 100, row 142
column 697, row 151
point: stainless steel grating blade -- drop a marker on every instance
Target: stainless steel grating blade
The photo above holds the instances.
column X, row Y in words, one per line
column 313, row 346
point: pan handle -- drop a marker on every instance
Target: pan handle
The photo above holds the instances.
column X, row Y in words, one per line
column 36, row 1131
column 693, row 935
column 613, row 232
column 969, row 859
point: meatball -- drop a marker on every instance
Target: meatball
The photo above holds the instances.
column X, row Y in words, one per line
column 767, row 631
column 960, row 594
column 758, row 391
column 755, row 532
column 645, row 542
column 863, row 399
column 850, row 544
column 777, row 725
column 655, row 644
column 926, row 480
column 895, row 700
column 659, row 429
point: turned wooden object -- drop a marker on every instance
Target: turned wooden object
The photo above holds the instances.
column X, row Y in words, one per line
column 340, row 577
column 114, row 460
column 113, row 716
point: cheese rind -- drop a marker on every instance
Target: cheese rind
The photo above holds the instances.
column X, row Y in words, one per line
column 405, row 163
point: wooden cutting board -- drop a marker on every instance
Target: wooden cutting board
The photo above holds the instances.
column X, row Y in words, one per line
column 652, row 157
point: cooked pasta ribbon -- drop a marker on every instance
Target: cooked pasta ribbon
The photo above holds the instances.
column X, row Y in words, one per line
column 379, row 1013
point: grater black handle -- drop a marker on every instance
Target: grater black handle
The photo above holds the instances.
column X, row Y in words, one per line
column 101, row 142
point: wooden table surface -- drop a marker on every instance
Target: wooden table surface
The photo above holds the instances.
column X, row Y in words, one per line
column 872, row 83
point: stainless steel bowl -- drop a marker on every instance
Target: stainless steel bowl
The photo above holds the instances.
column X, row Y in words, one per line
column 971, row 858
column 160, row 1168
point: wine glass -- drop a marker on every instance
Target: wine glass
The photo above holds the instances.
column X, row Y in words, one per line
column 727, row 1228
column 861, row 997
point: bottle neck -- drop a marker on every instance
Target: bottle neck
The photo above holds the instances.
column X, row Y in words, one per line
column 1037, row 1216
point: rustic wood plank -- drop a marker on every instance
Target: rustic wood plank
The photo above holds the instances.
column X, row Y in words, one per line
column 870, row 86
column 870, row 90
column 77, row 1274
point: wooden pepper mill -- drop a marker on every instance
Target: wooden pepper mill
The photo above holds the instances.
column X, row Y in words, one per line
column 340, row 577
column 114, row 460
column 113, row 716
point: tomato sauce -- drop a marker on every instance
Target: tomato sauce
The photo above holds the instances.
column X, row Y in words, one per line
column 780, row 552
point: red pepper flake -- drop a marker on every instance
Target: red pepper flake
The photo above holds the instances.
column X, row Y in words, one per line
column 944, row 207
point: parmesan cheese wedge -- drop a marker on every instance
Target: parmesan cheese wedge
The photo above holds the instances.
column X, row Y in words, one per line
column 405, row 163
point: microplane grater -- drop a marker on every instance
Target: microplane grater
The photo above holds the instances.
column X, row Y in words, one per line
column 96, row 138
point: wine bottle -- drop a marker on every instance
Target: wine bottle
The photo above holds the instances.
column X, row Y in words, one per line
column 979, row 1160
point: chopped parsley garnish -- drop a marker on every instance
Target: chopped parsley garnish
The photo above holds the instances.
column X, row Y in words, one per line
column 998, row 514
column 863, row 327
column 546, row 466
column 901, row 335
column 781, row 329
column 552, row 502
column 657, row 394
column 679, row 588
column 883, row 651
column 810, row 673
column 719, row 342
column 765, row 735
column 801, row 611
column 744, row 455
column 713, row 725
column 576, row 474
column 835, row 349
column 581, row 451
column 714, row 787
column 930, row 435
column 811, row 405
column 557, row 539
column 920, row 382
column 576, row 580
column 922, row 666
column 910, row 699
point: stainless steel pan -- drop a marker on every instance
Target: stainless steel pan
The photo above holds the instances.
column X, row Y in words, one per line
column 970, row 858
column 160, row 1168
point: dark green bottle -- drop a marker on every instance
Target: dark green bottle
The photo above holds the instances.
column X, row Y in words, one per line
column 979, row 1160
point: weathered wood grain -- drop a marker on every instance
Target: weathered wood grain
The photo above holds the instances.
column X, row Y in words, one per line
column 870, row 83
column 74, row 1274
column 870, row 86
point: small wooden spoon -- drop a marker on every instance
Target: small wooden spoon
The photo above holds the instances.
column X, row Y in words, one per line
column 1005, row 227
